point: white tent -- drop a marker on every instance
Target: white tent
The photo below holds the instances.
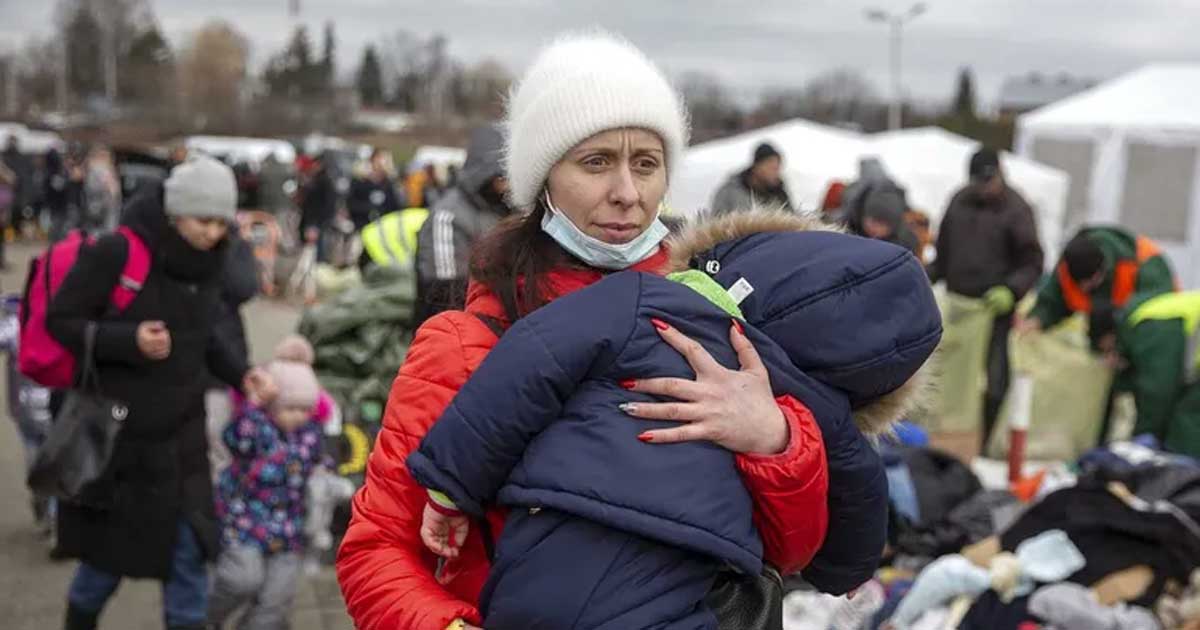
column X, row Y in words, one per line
column 813, row 155
column 1131, row 146
column 931, row 164
column 438, row 156
column 237, row 149
column 31, row 141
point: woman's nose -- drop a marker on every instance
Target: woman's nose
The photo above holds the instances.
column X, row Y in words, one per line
column 624, row 192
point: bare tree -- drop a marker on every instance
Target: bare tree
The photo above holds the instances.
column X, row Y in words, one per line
column 39, row 67
column 213, row 74
column 478, row 92
column 98, row 35
column 713, row 109
column 400, row 56
column 841, row 97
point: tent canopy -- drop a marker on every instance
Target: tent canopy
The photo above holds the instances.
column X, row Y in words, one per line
column 1157, row 96
column 813, row 156
column 930, row 163
column 237, row 149
column 1132, row 148
column 31, row 141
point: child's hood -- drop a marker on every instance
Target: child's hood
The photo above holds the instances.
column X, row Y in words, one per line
column 855, row 313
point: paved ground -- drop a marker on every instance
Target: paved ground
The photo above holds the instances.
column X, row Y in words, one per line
column 32, row 588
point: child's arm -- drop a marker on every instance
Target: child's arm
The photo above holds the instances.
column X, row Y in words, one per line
column 519, row 389
column 251, row 433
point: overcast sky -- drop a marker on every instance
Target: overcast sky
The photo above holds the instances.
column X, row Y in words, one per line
column 750, row 44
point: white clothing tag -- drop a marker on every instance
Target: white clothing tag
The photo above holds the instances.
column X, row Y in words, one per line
column 740, row 290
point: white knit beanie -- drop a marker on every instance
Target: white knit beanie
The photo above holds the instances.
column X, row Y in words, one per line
column 578, row 87
column 201, row 187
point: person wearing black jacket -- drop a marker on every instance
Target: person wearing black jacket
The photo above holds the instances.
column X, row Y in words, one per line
column 157, row 517
column 374, row 195
column 988, row 248
column 240, row 284
column 55, row 183
column 319, row 206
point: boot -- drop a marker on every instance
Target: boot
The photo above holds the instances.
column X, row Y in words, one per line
column 79, row 619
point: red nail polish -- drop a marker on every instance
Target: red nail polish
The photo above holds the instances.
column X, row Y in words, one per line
column 660, row 324
column 738, row 325
column 646, row 437
column 628, row 383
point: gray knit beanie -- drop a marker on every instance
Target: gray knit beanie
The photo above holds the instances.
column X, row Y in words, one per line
column 201, row 187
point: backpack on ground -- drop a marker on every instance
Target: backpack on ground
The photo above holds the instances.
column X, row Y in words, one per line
column 40, row 357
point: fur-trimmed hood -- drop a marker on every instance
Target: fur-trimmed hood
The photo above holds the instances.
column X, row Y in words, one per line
column 856, row 314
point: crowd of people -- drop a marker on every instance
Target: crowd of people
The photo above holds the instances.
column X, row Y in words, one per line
column 78, row 189
column 690, row 434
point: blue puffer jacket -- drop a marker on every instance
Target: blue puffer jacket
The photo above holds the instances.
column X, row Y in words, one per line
column 842, row 324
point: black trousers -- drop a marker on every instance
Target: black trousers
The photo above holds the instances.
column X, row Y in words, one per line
column 997, row 376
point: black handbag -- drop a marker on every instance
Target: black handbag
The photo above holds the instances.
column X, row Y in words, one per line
column 747, row 602
column 72, row 462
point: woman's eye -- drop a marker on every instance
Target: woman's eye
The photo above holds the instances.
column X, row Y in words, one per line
column 595, row 161
column 647, row 165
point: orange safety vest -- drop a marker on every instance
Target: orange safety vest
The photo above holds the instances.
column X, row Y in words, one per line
column 1124, row 279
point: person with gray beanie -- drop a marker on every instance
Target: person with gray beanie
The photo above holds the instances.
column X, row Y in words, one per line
column 152, row 516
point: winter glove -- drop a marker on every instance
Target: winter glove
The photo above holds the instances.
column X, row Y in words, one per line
column 999, row 300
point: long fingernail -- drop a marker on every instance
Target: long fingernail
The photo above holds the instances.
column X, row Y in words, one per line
column 627, row 407
column 646, row 437
column 628, row 383
column 738, row 325
column 660, row 324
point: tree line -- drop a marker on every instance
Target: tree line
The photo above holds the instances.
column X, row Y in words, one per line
column 111, row 56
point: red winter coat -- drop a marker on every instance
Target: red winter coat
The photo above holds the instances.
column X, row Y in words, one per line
column 387, row 574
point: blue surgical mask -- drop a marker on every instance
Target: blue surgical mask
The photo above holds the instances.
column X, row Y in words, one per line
column 596, row 252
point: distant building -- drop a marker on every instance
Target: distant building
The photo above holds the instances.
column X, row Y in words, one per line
column 1022, row 94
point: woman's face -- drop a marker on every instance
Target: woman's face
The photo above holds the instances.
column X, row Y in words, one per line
column 202, row 233
column 610, row 185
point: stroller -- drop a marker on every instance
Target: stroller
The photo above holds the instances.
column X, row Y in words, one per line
column 29, row 405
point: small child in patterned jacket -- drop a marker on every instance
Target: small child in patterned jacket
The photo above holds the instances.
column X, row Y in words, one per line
column 261, row 501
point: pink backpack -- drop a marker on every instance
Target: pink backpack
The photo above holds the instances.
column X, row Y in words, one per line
column 40, row 357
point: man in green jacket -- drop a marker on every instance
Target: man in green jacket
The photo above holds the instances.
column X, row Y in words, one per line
column 1100, row 266
column 1158, row 340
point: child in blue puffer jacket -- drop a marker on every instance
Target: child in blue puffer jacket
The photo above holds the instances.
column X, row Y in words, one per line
column 615, row 533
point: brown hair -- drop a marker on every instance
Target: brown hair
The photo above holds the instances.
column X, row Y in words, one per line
column 515, row 259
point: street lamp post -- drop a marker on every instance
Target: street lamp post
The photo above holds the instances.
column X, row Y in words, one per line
column 895, row 22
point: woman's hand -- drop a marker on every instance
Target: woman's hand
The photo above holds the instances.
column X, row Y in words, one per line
column 154, row 340
column 732, row 408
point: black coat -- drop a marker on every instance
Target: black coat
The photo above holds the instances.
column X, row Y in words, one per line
column 370, row 199
column 987, row 243
column 56, row 183
column 159, row 472
column 320, row 201
column 240, row 283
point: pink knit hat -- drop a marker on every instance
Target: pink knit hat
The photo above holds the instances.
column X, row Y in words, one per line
column 297, row 383
column 295, row 348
